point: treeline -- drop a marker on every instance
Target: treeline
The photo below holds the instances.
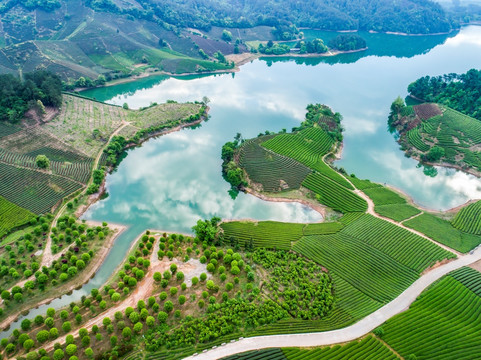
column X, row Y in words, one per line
column 408, row 16
column 458, row 91
column 46, row 5
column 17, row 96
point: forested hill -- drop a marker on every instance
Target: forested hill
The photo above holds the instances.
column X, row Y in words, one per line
column 105, row 39
column 458, row 91
column 408, row 16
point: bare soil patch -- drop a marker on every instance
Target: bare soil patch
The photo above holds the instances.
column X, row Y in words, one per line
column 427, row 111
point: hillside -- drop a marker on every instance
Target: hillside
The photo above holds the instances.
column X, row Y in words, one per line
column 117, row 38
column 72, row 138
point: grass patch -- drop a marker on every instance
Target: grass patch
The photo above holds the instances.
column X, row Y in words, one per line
column 397, row 212
column 383, row 196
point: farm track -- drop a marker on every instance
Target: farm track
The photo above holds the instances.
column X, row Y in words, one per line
column 359, row 329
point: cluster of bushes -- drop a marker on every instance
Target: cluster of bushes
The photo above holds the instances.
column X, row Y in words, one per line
column 323, row 116
column 17, row 259
column 17, row 96
column 298, row 285
column 272, row 48
column 232, row 173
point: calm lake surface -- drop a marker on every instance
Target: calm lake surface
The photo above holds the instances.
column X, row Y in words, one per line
column 172, row 181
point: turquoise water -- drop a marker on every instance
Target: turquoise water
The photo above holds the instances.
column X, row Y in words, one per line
column 172, row 181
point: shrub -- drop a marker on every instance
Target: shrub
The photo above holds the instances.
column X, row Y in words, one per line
column 42, row 336
column 168, row 306
column 138, row 327
column 58, row 354
column 53, row 334
column 66, row 326
column 28, row 344
column 71, row 349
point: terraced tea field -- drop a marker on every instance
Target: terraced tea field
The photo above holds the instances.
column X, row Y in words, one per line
column 367, row 348
column 457, row 134
column 35, row 191
column 273, row 171
column 333, row 195
column 12, row 216
column 444, row 232
column 441, row 324
column 268, row 234
column 468, row 219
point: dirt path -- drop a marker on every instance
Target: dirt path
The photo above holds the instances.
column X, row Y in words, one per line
column 350, row 333
column 410, row 218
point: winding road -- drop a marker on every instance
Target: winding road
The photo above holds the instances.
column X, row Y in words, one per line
column 359, row 329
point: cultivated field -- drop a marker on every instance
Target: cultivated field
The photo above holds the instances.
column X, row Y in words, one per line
column 444, row 232
column 468, row 219
column 269, row 169
column 442, row 323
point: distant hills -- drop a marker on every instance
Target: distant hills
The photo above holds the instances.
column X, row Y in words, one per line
column 113, row 38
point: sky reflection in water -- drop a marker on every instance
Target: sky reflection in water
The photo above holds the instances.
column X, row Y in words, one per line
column 172, row 181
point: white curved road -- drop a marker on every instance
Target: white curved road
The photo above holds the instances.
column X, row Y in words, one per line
column 362, row 327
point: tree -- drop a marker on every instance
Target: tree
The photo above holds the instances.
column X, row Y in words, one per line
column 26, row 324
column 66, row 326
column 434, row 154
column 226, row 35
column 28, row 344
column 168, row 306
column 126, row 332
column 150, row 321
column 42, row 161
column 58, row 354
column 206, row 230
column 43, row 336
column 89, row 353
column 71, row 349
column 53, row 333
column 138, row 327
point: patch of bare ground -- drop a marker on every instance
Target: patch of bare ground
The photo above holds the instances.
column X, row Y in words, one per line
column 241, row 59
column 427, row 110
column 476, row 266
column 82, row 278
column 436, row 265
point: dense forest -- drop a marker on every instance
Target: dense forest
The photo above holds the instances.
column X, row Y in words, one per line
column 39, row 89
column 458, row 91
column 409, row 16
